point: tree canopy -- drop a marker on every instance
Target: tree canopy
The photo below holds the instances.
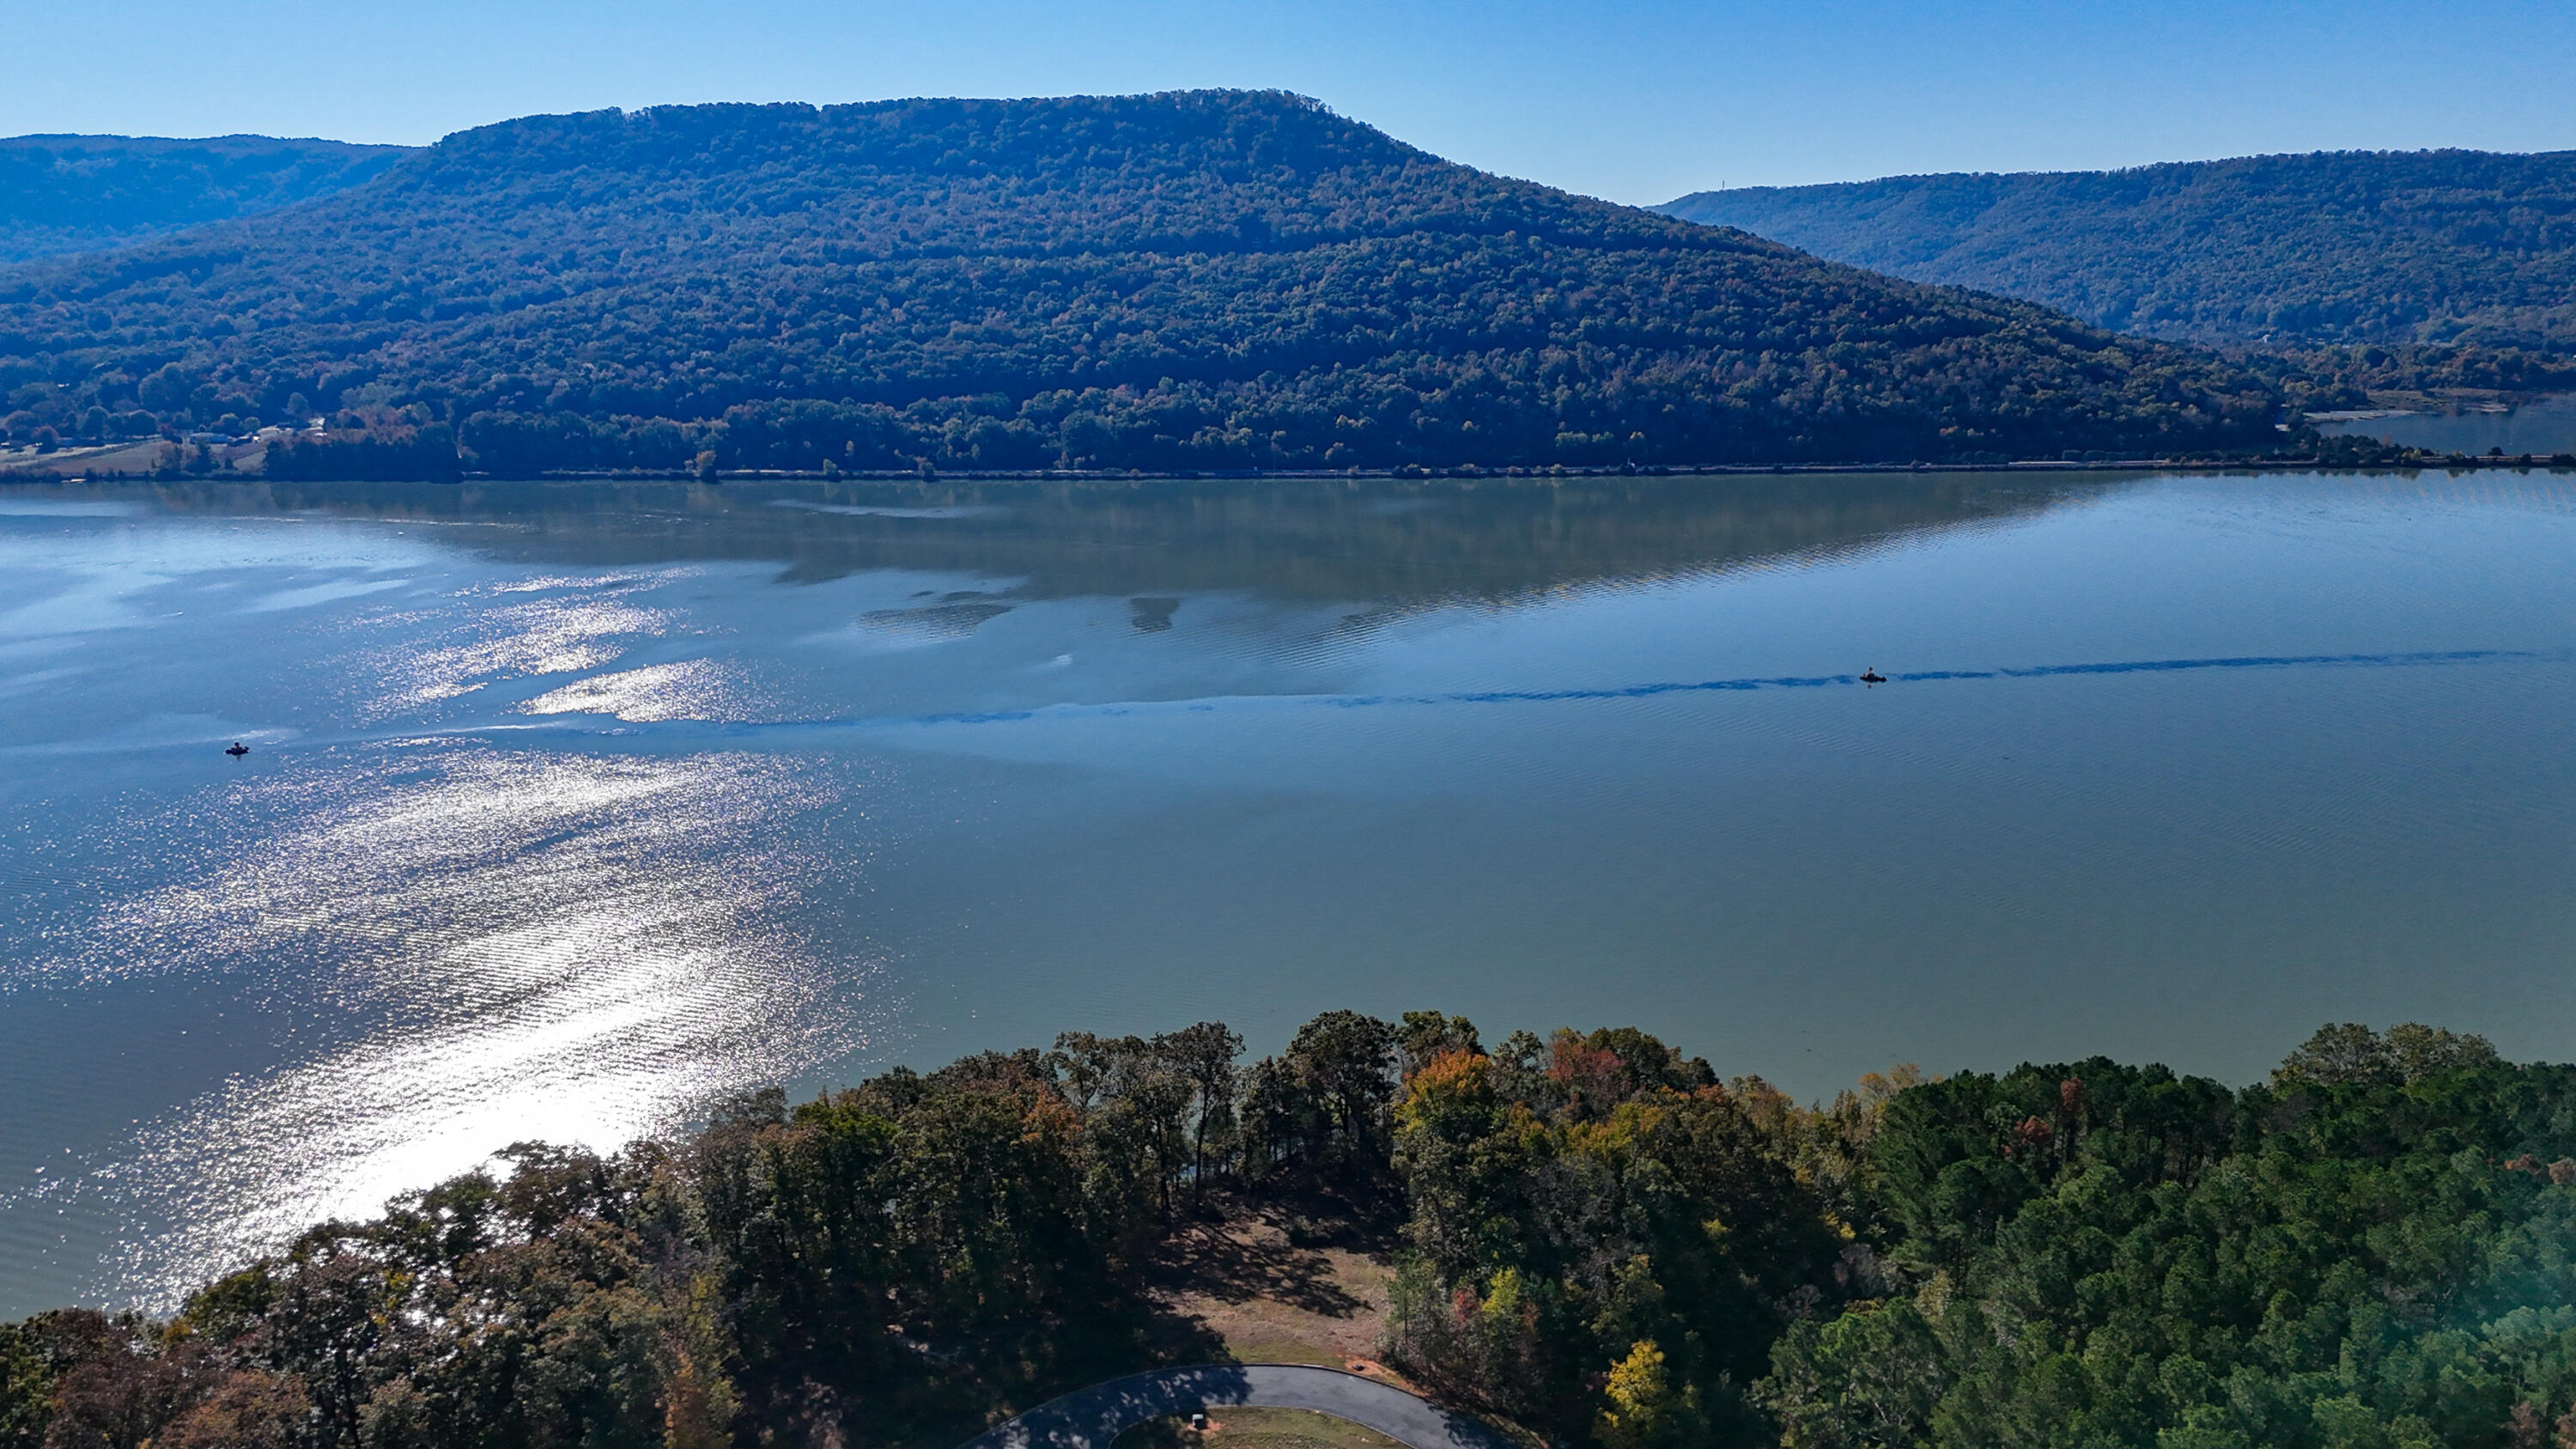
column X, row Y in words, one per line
column 88, row 193
column 2377, row 1247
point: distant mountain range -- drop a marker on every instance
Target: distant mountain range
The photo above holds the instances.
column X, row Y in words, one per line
column 1183, row 281
column 84, row 193
column 2466, row 247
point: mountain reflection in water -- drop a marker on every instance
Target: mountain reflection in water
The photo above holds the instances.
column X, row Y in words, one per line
column 1304, row 539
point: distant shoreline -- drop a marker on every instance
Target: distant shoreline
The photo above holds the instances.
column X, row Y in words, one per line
column 2454, row 463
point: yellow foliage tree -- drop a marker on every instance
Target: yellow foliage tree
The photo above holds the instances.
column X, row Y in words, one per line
column 1644, row 1412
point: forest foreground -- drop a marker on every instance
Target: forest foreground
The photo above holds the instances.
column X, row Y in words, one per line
column 1587, row 1238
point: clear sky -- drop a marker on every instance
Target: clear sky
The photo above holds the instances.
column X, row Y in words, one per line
column 1637, row 100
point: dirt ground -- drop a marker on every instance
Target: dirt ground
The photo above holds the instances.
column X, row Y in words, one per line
column 1273, row 1300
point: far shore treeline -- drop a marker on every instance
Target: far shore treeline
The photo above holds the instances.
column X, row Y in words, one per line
column 1594, row 1238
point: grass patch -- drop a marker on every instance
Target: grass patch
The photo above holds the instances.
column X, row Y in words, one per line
column 1282, row 1350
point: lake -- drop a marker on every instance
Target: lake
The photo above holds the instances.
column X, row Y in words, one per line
column 2540, row 426
column 571, row 807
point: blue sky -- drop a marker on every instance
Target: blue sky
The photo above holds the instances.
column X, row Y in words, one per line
column 1637, row 100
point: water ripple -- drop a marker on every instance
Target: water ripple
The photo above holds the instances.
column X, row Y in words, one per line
column 1208, row 705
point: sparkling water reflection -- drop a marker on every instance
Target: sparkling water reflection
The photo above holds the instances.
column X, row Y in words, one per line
column 571, row 807
column 494, row 946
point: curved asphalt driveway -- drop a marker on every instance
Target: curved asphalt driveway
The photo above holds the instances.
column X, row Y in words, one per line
column 1090, row 1418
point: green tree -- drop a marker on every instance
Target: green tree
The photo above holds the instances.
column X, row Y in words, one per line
column 1204, row 1055
column 26, row 1387
column 1345, row 1060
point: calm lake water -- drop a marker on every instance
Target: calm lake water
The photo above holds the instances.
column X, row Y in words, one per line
column 571, row 806
column 2541, row 427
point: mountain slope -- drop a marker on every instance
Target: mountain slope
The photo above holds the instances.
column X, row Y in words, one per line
column 1209, row 279
column 2338, row 247
column 83, row 193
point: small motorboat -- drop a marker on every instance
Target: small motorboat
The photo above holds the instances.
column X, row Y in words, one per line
column 238, row 750
column 1872, row 676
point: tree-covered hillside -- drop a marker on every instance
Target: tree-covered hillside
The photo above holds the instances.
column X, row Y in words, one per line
column 86, row 193
column 2344, row 247
column 1208, row 279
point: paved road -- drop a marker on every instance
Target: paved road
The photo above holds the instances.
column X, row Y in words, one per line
column 1090, row 1418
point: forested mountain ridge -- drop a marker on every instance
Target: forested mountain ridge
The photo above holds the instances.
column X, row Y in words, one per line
column 84, row 193
column 2352, row 247
column 1206, row 279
